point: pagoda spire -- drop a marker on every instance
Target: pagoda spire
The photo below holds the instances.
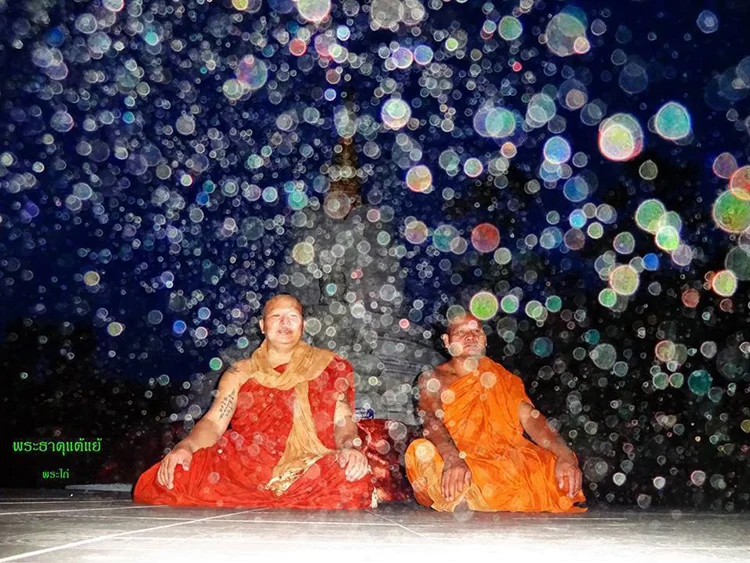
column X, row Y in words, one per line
column 344, row 172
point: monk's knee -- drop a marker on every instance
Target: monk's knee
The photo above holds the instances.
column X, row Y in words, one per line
column 422, row 451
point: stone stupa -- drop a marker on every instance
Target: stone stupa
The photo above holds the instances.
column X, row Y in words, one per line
column 345, row 269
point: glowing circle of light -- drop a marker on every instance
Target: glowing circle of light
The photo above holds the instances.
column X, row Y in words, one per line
column 566, row 33
column 509, row 28
column 252, row 73
column 620, row 137
column 649, row 214
column 484, row 305
column 557, row 150
column 724, row 283
column 731, row 211
column 395, row 113
column 303, row 253
column 624, row 280
column 415, row 231
column 314, row 11
column 672, row 122
column 485, row 238
column 740, row 180
column 419, row 178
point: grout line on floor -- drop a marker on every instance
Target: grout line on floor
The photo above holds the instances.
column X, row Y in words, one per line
column 74, row 510
column 396, row 523
column 430, row 540
column 239, row 521
column 117, row 517
column 303, row 540
column 110, row 536
column 303, row 521
column 307, row 541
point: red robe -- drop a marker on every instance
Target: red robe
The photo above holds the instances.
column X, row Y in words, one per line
column 234, row 472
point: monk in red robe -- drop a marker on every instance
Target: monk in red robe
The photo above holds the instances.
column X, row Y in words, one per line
column 293, row 442
column 474, row 454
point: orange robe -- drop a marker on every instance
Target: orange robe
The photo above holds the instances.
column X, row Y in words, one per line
column 509, row 473
column 236, row 471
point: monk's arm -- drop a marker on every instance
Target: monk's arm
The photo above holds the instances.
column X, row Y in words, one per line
column 346, row 436
column 538, row 428
column 433, row 428
column 210, row 428
column 345, row 432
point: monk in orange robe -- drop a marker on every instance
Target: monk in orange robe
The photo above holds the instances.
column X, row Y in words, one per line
column 293, row 442
column 474, row 454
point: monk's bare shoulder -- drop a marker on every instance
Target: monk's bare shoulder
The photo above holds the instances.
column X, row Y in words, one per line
column 433, row 381
column 446, row 374
column 444, row 370
column 238, row 373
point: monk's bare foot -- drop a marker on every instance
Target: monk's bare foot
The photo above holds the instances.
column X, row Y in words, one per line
column 462, row 512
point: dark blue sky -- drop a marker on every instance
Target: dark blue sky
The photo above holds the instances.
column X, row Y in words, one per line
column 125, row 230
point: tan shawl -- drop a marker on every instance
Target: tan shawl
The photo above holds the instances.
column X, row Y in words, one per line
column 303, row 447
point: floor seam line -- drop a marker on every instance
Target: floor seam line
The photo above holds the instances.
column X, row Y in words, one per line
column 110, row 536
column 397, row 524
column 71, row 510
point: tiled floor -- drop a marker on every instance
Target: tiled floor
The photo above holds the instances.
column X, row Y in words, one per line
column 85, row 526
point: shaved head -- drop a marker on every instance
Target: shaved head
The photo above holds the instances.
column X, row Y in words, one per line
column 282, row 299
column 464, row 337
column 462, row 319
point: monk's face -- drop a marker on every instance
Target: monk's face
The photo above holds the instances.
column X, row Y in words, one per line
column 282, row 322
column 465, row 338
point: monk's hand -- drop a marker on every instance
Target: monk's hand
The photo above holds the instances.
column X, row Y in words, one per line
column 178, row 456
column 456, row 478
column 354, row 463
column 568, row 476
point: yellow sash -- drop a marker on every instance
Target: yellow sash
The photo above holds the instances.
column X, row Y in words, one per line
column 303, row 446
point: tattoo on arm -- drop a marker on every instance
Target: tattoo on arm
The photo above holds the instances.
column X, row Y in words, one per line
column 227, row 405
